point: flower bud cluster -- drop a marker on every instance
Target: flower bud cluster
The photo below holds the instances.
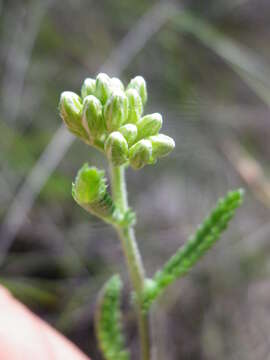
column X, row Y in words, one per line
column 110, row 117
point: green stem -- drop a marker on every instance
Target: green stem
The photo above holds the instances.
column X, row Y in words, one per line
column 132, row 255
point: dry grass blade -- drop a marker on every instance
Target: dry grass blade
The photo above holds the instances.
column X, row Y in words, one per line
column 248, row 65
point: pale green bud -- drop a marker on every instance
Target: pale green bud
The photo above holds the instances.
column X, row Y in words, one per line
column 117, row 84
column 139, row 84
column 129, row 131
column 116, row 148
column 162, row 145
column 135, row 106
column 116, row 110
column 88, row 87
column 103, row 87
column 149, row 125
column 92, row 118
column 70, row 107
column 140, row 154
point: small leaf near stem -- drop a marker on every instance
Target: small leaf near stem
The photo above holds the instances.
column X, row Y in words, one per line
column 187, row 256
column 108, row 321
column 90, row 191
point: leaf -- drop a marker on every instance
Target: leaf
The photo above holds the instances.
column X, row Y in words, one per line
column 108, row 322
column 197, row 245
column 89, row 190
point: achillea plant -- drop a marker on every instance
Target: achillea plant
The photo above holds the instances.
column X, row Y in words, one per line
column 110, row 118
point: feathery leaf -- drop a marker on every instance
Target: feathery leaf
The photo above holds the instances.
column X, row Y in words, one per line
column 108, row 322
column 197, row 245
column 89, row 190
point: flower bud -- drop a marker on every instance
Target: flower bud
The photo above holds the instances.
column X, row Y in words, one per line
column 129, row 131
column 135, row 106
column 116, row 110
column 92, row 119
column 103, row 87
column 140, row 154
column 88, row 87
column 117, row 84
column 116, row 148
column 70, row 107
column 149, row 125
column 139, row 84
column 162, row 145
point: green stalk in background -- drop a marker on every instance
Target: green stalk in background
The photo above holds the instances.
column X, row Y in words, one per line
column 109, row 117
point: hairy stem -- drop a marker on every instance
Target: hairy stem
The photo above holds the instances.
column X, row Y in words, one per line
column 132, row 255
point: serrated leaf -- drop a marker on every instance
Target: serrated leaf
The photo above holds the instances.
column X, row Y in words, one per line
column 185, row 258
column 108, row 322
column 89, row 190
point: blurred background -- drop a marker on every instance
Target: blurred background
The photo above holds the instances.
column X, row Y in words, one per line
column 207, row 68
